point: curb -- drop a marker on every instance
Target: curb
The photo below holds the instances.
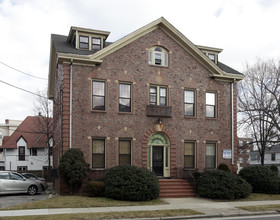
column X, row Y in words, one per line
column 207, row 216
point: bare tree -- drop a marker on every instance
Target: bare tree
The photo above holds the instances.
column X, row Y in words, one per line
column 257, row 106
column 273, row 88
column 43, row 108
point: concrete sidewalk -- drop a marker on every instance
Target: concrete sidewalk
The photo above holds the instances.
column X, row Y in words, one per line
column 209, row 208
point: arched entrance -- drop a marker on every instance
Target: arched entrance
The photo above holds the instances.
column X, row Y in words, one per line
column 158, row 153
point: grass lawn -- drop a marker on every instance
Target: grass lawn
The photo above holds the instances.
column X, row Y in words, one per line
column 111, row 215
column 261, row 208
column 261, row 197
column 79, row 202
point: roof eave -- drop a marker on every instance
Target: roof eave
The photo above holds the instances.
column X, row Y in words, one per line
column 229, row 77
column 77, row 59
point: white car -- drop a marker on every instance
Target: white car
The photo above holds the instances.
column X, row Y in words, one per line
column 42, row 181
column 13, row 183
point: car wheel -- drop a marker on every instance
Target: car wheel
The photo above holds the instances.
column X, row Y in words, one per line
column 42, row 187
column 32, row 190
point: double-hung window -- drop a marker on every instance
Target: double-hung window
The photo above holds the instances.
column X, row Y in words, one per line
column 98, row 95
column 21, row 153
column 84, row 42
column 210, row 155
column 158, row 95
column 33, row 151
column 189, row 155
column 95, row 43
column 212, row 57
column 189, row 102
column 124, row 152
column 273, row 157
column 124, row 97
column 98, row 153
column 211, row 105
column 158, row 56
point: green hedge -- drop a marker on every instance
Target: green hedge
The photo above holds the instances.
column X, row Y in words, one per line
column 96, row 188
column 131, row 183
column 218, row 184
column 224, row 167
column 73, row 169
column 261, row 178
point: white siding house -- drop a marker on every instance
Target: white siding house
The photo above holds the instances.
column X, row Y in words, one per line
column 271, row 157
column 26, row 149
column 6, row 129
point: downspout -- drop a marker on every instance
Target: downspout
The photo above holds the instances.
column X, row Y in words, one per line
column 70, row 119
column 232, row 124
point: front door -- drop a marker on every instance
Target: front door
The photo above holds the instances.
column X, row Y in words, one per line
column 157, row 161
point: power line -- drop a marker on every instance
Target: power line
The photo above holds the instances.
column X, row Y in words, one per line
column 22, row 71
column 22, row 89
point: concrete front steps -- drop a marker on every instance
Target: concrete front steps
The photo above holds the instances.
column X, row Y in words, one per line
column 176, row 188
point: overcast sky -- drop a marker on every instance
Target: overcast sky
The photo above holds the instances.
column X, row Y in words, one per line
column 245, row 30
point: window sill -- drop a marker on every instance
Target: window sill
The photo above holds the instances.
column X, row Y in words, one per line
column 98, row 169
column 125, row 113
column 190, row 169
column 210, row 168
column 155, row 65
column 211, row 118
column 98, row 111
column 190, row 117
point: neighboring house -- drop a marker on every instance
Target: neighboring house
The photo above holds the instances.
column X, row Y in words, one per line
column 244, row 149
column 271, row 157
column 6, row 129
column 26, row 149
column 151, row 99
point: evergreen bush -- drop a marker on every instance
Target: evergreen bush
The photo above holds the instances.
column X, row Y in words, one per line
column 218, row 184
column 131, row 183
column 73, row 169
column 196, row 175
column 274, row 168
column 261, row 178
column 96, row 188
column 224, row 167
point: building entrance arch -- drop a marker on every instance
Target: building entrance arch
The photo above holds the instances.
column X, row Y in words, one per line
column 158, row 152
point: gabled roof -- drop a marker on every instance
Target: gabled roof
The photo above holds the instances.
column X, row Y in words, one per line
column 60, row 54
column 30, row 131
column 274, row 149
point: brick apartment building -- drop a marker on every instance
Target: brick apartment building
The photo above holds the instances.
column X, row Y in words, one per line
column 151, row 99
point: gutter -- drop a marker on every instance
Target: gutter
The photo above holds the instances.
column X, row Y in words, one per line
column 71, row 95
column 232, row 124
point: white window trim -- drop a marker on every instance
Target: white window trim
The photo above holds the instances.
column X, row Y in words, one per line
column 164, row 56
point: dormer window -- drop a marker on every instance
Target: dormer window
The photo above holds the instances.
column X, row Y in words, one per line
column 87, row 39
column 212, row 57
column 158, row 56
column 96, row 43
column 83, row 42
column 211, row 52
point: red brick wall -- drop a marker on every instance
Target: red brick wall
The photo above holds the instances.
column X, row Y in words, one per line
column 130, row 64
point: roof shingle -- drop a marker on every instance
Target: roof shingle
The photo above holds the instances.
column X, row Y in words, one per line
column 30, row 130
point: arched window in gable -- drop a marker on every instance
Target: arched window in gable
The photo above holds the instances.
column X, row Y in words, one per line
column 158, row 56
